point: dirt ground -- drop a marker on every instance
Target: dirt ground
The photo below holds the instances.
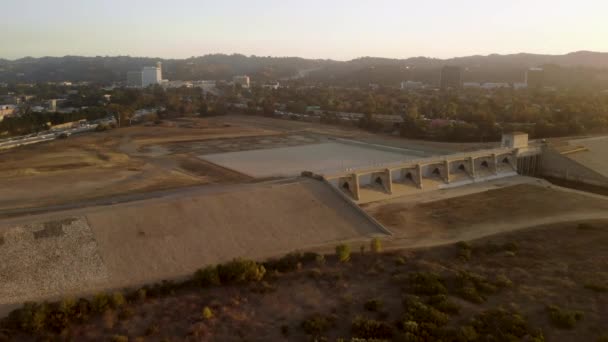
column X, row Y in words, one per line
column 126, row 160
column 522, row 273
column 416, row 222
column 106, row 247
column 148, row 158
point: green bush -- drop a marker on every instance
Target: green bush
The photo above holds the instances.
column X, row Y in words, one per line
column 563, row 319
column 317, row 324
column 68, row 307
column 371, row 329
column 473, row 287
column 343, row 252
column 240, row 271
column 596, row 287
column 376, row 245
column 320, row 260
column 118, row 300
column 504, row 325
column 284, row 330
column 82, row 310
column 400, row 261
column 416, row 311
column 503, row 281
column 207, row 276
column 207, row 313
column 464, row 250
column 444, row 304
column 120, row 338
column 126, row 313
column 427, row 283
column 287, row 263
column 100, row 303
column 373, row 305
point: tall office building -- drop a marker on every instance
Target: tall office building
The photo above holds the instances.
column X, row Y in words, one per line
column 152, row 75
column 242, row 80
column 451, row 77
column 134, row 79
column 535, row 77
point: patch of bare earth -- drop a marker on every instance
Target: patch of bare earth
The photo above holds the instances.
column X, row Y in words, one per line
column 121, row 161
column 482, row 214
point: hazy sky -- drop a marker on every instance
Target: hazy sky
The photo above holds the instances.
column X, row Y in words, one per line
column 338, row 29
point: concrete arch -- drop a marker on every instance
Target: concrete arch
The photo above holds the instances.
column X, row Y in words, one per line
column 506, row 162
column 382, row 179
column 485, row 165
column 461, row 167
column 350, row 186
column 435, row 171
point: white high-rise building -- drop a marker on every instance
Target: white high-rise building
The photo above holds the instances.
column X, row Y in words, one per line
column 242, row 80
column 152, row 75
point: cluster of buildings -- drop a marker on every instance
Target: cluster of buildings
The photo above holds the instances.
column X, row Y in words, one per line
column 7, row 110
column 149, row 75
column 153, row 75
column 451, row 78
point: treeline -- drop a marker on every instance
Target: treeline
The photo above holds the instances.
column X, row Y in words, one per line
column 30, row 122
column 467, row 115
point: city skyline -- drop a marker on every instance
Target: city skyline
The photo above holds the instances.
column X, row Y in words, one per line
column 341, row 30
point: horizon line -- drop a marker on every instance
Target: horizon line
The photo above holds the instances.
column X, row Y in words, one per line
column 308, row 58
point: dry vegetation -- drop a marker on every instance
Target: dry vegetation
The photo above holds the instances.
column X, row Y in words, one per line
column 544, row 283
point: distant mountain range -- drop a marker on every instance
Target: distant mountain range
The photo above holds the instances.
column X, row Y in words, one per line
column 491, row 68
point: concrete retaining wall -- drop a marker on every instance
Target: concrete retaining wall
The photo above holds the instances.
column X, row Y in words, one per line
column 554, row 164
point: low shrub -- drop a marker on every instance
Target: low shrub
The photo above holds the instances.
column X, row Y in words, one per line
column 120, row 338
column 473, row 287
column 376, row 245
column 585, row 226
column 100, row 303
column 444, row 304
column 503, row 281
column 320, row 260
column 422, row 322
column 343, row 252
column 504, row 325
column 207, row 313
column 427, row 283
column 240, row 271
column 596, row 287
column 284, row 330
column 207, row 276
column 126, row 313
column 371, row 329
column 373, row 305
column 563, row 319
column 292, row 261
column 464, row 250
column 417, row 311
column 317, row 324
column 400, row 261
column 117, row 300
